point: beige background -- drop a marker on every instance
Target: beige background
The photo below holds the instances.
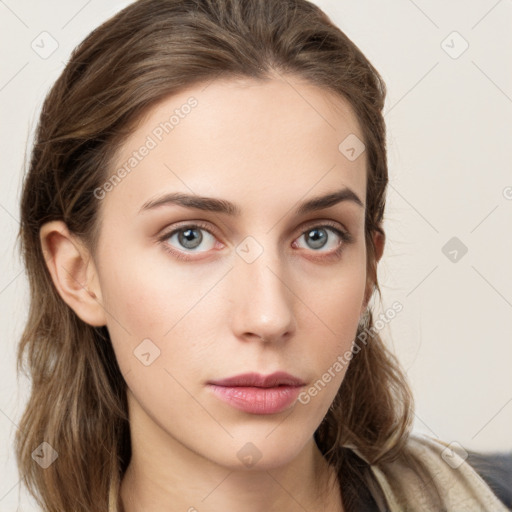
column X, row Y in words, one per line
column 449, row 117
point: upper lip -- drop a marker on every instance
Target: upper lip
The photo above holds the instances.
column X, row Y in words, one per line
column 260, row 381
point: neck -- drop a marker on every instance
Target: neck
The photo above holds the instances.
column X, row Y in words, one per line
column 164, row 475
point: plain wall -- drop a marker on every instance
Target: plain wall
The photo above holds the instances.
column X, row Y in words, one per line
column 449, row 119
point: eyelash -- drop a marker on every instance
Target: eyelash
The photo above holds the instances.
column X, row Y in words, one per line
column 345, row 237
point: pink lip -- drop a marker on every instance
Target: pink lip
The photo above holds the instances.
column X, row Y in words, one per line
column 258, row 394
column 260, row 381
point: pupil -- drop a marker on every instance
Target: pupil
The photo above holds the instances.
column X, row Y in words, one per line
column 188, row 236
column 318, row 237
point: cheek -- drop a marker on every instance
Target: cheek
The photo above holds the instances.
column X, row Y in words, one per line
column 155, row 301
column 333, row 321
column 337, row 297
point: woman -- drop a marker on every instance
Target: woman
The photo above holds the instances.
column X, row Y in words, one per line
column 201, row 227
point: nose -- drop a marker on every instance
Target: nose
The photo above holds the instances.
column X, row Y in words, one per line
column 263, row 299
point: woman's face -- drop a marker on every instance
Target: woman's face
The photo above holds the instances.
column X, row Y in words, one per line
column 256, row 279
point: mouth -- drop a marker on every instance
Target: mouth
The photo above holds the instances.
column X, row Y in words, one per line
column 258, row 394
column 260, row 381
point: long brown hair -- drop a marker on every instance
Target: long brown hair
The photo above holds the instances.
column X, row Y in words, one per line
column 148, row 51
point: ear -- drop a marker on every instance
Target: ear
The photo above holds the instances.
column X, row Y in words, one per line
column 73, row 272
column 379, row 241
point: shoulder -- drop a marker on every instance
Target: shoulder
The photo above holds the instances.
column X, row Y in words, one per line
column 410, row 482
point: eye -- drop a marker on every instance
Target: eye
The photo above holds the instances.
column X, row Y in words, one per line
column 188, row 238
column 325, row 236
column 185, row 240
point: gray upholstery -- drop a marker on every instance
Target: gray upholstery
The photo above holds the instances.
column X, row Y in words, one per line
column 496, row 470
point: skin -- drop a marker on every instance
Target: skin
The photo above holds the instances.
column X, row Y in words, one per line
column 265, row 147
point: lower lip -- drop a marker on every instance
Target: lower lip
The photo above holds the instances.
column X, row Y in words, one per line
column 257, row 400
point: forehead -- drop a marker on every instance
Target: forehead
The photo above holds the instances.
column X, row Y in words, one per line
column 240, row 138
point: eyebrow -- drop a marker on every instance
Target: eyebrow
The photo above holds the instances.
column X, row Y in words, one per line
column 212, row 204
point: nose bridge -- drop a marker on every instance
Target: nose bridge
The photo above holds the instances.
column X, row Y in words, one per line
column 264, row 300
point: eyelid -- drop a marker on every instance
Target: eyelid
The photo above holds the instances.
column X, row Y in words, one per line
column 322, row 223
column 213, row 231
column 187, row 224
column 167, row 232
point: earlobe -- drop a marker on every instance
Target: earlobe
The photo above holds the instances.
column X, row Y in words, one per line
column 73, row 272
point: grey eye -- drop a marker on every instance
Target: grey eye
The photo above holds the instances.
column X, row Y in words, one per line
column 191, row 238
column 321, row 236
column 317, row 236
